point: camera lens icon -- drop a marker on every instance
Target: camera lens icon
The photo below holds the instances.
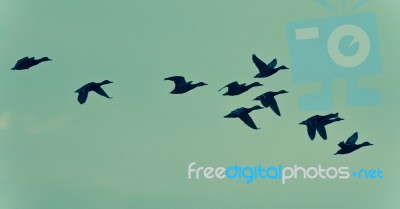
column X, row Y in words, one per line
column 332, row 48
column 359, row 37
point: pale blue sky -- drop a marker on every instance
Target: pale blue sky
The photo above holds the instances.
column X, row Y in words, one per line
column 132, row 151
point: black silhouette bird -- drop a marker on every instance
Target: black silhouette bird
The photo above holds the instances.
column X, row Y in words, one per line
column 318, row 123
column 181, row 86
column 92, row 86
column 28, row 62
column 266, row 70
column 267, row 100
column 235, row 88
column 350, row 145
column 243, row 114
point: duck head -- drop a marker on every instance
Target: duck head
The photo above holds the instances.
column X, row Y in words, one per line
column 281, row 92
column 106, row 82
column 43, row 59
column 256, row 84
column 201, row 84
column 366, row 144
column 283, row 67
column 257, row 107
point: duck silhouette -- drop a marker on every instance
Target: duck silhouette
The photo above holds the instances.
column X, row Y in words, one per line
column 92, row 86
column 243, row 114
column 28, row 62
column 181, row 86
column 350, row 145
column 268, row 100
column 235, row 88
column 318, row 123
column 266, row 70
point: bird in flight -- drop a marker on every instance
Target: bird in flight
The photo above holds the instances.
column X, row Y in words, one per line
column 92, row 86
column 181, row 86
column 243, row 114
column 268, row 100
column 318, row 123
column 350, row 145
column 28, row 62
column 266, row 70
column 234, row 88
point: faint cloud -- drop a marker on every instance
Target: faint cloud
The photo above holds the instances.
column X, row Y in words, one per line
column 32, row 124
column 5, row 121
column 35, row 125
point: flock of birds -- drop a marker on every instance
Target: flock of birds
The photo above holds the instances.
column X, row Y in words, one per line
column 83, row 92
column 314, row 124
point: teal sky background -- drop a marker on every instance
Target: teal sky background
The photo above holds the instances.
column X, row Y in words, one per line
column 133, row 151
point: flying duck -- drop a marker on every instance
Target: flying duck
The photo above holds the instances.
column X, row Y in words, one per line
column 267, row 100
column 318, row 123
column 181, row 86
column 243, row 114
column 28, row 62
column 235, row 88
column 266, row 70
column 350, row 145
column 92, row 86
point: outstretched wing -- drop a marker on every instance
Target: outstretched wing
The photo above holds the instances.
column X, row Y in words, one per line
column 259, row 63
column 311, row 130
column 178, row 80
column 23, row 60
column 21, row 63
column 248, row 121
column 82, row 95
column 272, row 103
column 272, row 64
column 83, row 92
column 322, row 131
column 342, row 145
column 352, row 139
column 234, row 84
column 101, row 92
